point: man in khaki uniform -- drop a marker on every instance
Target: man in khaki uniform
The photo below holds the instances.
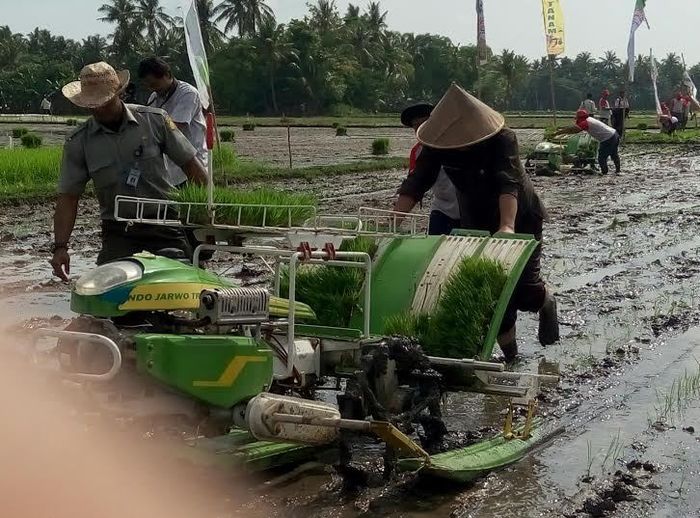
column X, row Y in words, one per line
column 121, row 149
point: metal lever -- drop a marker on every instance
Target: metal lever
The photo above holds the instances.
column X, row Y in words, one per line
column 89, row 338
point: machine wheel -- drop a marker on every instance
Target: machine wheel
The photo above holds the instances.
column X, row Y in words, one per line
column 77, row 357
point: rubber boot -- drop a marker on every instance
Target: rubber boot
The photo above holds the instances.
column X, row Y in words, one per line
column 549, row 320
column 509, row 345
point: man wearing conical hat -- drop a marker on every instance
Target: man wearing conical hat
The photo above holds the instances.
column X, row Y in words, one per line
column 121, row 148
column 469, row 141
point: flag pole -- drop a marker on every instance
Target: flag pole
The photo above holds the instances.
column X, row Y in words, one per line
column 551, row 88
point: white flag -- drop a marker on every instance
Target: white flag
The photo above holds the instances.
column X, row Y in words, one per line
column 688, row 83
column 654, row 80
column 637, row 18
column 196, row 51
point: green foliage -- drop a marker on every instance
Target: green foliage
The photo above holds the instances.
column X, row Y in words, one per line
column 227, row 135
column 341, row 131
column 642, row 126
column 332, row 292
column 248, row 126
column 285, row 208
column 28, row 172
column 380, row 146
column 19, row 132
column 688, row 136
column 31, row 140
column 71, row 122
column 458, row 326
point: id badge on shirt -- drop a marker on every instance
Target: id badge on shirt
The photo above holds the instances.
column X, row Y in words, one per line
column 132, row 179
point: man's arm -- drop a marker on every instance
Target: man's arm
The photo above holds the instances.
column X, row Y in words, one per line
column 508, row 208
column 195, row 171
column 63, row 223
column 570, row 130
column 420, row 181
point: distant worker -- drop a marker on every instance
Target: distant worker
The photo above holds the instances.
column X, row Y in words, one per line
column 469, row 141
column 607, row 136
column 444, row 210
column 588, row 104
column 121, row 149
column 604, row 109
column 678, row 109
column 668, row 123
column 46, row 106
column 620, row 113
column 181, row 101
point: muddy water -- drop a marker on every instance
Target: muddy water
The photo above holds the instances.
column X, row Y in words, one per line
column 623, row 253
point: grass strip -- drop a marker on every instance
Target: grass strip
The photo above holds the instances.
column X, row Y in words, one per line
column 688, row 136
column 32, row 174
column 458, row 326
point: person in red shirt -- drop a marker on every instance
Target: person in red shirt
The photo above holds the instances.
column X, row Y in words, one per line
column 609, row 138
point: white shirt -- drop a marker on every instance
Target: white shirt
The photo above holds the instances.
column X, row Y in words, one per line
column 596, row 129
column 588, row 105
column 622, row 102
column 445, row 196
column 185, row 108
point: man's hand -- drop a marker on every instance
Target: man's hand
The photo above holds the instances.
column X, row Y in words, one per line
column 196, row 172
column 61, row 264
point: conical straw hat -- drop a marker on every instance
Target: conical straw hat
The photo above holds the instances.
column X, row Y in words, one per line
column 99, row 83
column 459, row 120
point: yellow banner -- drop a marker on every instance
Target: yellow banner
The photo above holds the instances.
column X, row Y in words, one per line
column 553, row 26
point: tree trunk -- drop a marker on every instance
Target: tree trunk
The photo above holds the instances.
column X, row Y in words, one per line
column 272, row 91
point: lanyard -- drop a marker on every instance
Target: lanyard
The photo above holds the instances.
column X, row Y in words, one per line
column 171, row 92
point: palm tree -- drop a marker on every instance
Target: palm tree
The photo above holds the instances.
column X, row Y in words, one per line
column 211, row 34
column 274, row 50
column 324, row 15
column 513, row 70
column 11, row 46
column 376, row 19
column 246, row 15
column 121, row 13
column 610, row 62
column 352, row 14
column 93, row 49
column 151, row 16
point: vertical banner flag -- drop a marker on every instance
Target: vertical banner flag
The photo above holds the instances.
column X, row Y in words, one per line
column 654, row 80
column 196, row 51
column 481, row 48
column 637, row 19
column 553, row 26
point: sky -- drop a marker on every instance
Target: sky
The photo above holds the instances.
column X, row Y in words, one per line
column 591, row 25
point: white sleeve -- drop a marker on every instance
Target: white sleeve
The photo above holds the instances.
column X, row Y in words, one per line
column 186, row 108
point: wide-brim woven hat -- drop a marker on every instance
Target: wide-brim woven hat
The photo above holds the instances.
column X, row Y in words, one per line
column 98, row 84
column 459, row 120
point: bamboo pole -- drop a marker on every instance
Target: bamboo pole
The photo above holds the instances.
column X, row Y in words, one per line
column 551, row 87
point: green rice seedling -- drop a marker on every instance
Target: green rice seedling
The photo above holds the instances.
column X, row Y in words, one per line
column 284, row 208
column 249, row 126
column 71, row 122
column 227, row 135
column 341, row 131
column 31, row 140
column 458, row 326
column 380, row 146
column 18, row 132
column 642, row 126
column 408, row 324
column 333, row 292
column 27, row 172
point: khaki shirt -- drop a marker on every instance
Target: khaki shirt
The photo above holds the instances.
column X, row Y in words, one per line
column 129, row 161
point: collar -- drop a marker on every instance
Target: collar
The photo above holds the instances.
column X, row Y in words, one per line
column 95, row 127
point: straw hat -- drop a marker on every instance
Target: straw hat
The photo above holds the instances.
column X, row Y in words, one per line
column 99, row 83
column 459, row 120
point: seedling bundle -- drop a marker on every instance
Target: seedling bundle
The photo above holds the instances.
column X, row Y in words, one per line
column 280, row 206
column 457, row 327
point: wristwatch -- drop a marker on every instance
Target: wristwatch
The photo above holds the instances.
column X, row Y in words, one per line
column 59, row 246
